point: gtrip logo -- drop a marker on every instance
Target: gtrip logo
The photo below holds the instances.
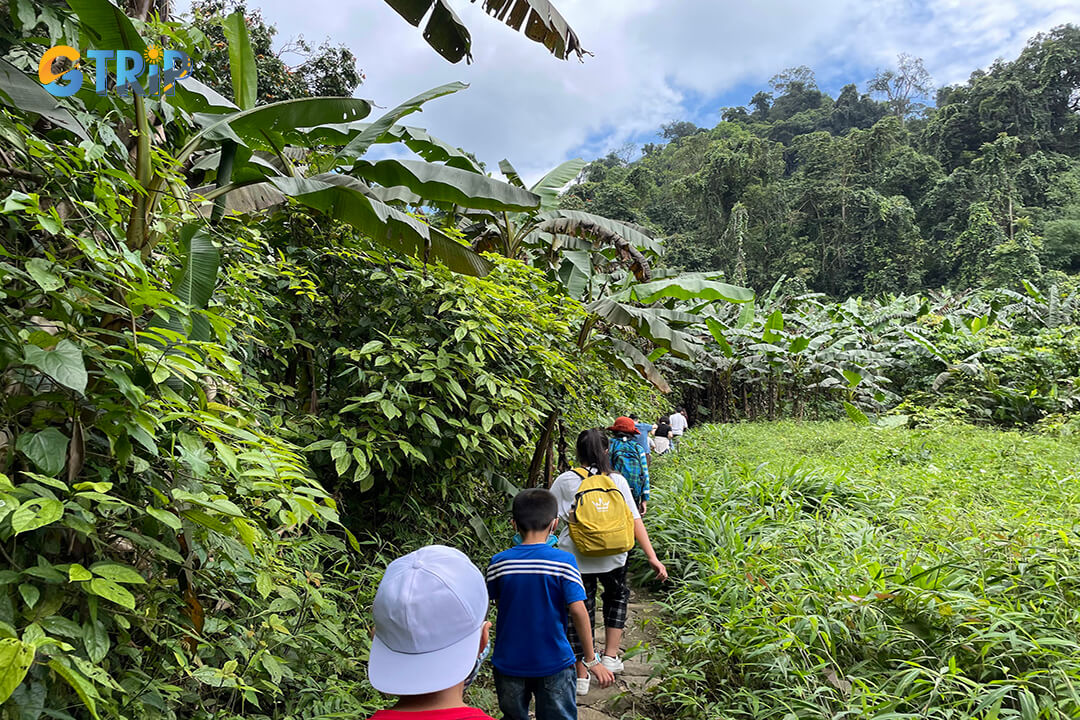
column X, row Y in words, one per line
column 159, row 68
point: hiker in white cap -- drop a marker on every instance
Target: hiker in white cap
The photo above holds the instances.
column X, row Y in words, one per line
column 431, row 635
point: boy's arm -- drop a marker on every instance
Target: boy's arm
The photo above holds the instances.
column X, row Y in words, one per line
column 580, row 617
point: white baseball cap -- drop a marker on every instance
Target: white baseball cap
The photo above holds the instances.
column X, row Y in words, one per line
column 430, row 611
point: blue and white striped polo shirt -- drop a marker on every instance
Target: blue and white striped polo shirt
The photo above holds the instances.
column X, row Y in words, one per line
column 533, row 585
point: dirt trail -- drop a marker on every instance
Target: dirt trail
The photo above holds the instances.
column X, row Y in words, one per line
column 631, row 686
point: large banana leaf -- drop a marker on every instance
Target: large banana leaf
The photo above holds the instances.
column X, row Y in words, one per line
column 281, row 118
column 628, row 232
column 245, row 77
column 195, row 97
column 549, row 186
column 22, row 93
column 633, row 360
column 430, row 148
column 448, row 35
column 370, row 135
column 646, row 323
column 107, row 26
column 440, row 183
column 689, row 287
column 512, row 175
column 344, row 198
column 575, row 272
column 194, row 282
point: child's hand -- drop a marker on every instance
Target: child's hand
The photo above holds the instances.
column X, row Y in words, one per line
column 658, row 568
column 604, row 677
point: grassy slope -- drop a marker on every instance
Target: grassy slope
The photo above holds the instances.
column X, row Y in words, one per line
column 826, row 570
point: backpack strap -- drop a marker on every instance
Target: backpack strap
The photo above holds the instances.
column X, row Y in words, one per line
column 582, row 472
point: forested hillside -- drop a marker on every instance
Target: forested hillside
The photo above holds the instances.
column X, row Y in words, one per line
column 871, row 191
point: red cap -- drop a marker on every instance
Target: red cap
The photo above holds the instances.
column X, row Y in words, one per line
column 624, row 425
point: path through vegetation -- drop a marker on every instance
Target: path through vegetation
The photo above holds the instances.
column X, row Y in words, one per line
column 631, row 688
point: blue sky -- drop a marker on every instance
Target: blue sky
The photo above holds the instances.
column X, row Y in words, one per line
column 654, row 61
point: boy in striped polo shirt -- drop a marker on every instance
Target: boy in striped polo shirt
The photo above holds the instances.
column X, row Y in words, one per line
column 537, row 589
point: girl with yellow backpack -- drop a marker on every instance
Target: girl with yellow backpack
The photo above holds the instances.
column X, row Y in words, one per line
column 599, row 523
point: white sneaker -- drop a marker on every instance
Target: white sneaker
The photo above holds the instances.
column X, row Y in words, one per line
column 615, row 665
column 583, row 686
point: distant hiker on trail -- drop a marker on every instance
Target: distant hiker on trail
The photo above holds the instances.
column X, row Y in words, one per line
column 536, row 588
column 630, row 460
column 662, row 436
column 644, row 430
column 679, row 424
column 431, row 635
column 599, row 526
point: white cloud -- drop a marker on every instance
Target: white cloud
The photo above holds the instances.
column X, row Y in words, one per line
column 650, row 56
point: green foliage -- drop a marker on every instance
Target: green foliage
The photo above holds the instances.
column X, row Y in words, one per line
column 998, row 357
column 828, row 569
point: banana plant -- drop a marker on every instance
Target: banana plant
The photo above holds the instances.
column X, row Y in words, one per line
column 239, row 136
column 445, row 32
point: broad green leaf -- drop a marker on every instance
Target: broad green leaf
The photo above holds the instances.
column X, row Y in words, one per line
column 96, row 640
column 371, row 134
column 692, row 287
column 853, row 378
column 47, row 449
column 118, row 573
column 111, row 591
column 342, row 198
column 857, row 416
column 439, row 183
column 717, row 331
column 242, row 66
column 282, row 117
column 773, row 327
column 635, row 361
column 27, row 95
column 40, row 271
column 746, row 316
column 196, row 279
column 431, row 148
column 195, row 97
column 36, row 513
column 30, row 594
column 550, row 186
column 82, row 687
column 630, row 233
column 15, row 660
column 64, row 363
column 164, row 517
column 77, row 573
column 8, row 503
column 511, row 174
column 107, row 25
column 648, row 323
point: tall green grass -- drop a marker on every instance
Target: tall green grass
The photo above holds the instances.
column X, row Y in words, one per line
column 831, row 571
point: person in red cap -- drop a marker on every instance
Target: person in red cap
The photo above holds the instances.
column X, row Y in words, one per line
column 629, row 459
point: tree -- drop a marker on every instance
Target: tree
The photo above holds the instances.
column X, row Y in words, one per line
column 328, row 70
column 903, row 86
column 450, row 38
column 679, row 129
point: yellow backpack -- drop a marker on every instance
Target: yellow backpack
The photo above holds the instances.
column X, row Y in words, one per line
column 601, row 522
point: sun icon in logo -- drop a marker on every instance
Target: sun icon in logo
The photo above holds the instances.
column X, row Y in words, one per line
column 153, row 54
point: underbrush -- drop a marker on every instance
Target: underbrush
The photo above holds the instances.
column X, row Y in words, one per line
column 827, row 571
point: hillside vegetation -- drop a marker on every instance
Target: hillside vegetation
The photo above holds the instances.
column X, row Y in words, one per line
column 827, row 570
column 871, row 191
